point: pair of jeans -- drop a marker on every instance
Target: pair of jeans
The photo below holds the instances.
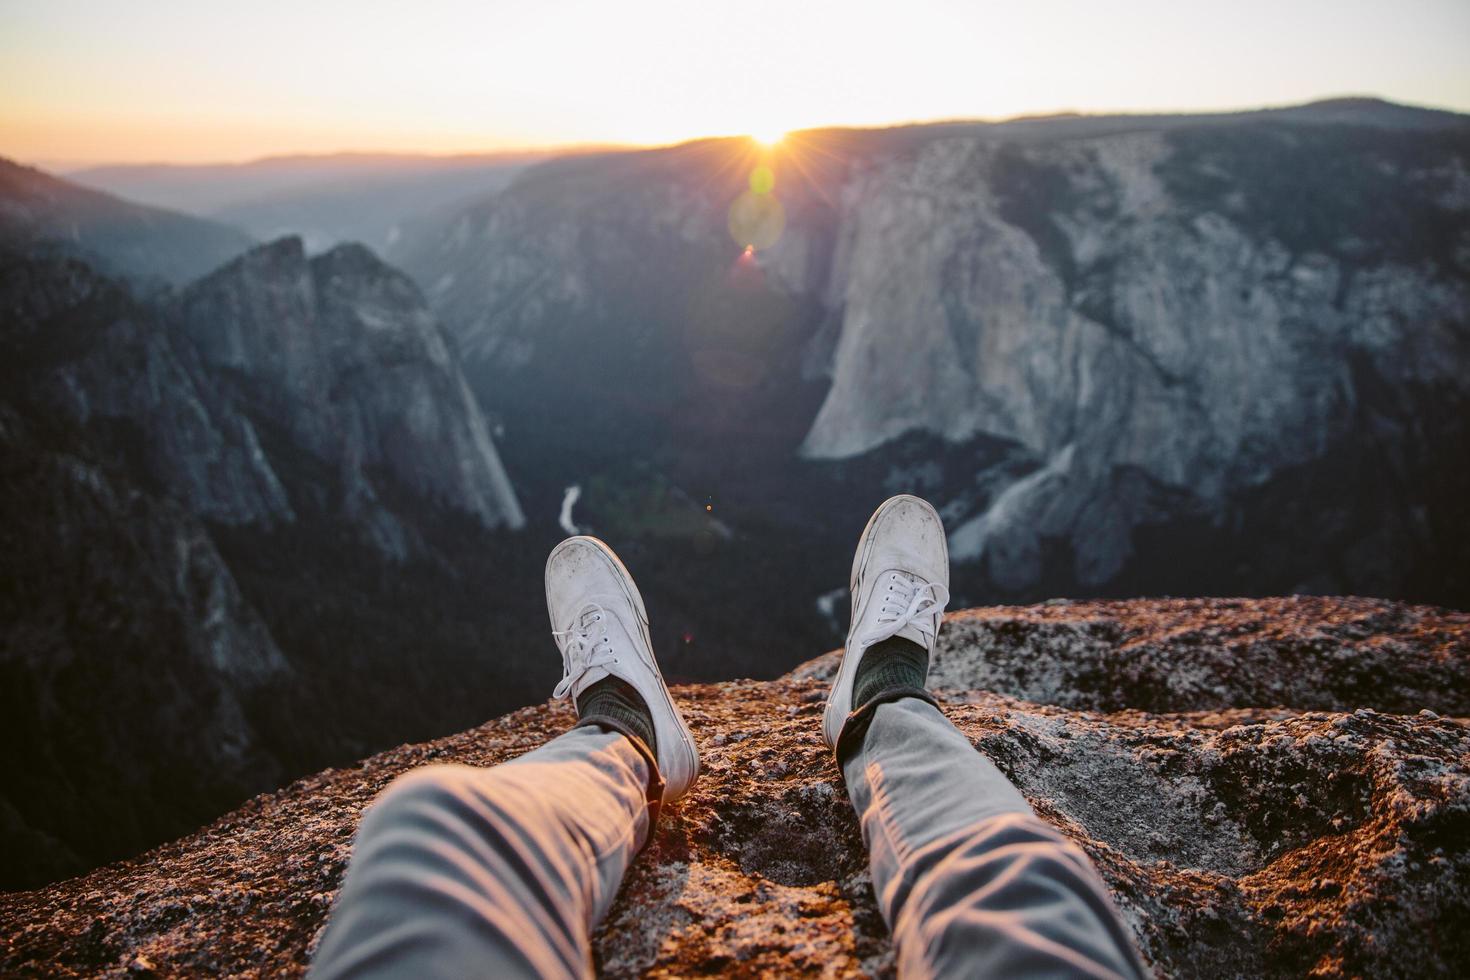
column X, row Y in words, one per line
column 504, row 872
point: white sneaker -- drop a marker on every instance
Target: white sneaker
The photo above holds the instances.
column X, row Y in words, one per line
column 601, row 626
column 900, row 585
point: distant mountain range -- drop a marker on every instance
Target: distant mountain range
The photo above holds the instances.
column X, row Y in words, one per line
column 40, row 212
column 346, row 197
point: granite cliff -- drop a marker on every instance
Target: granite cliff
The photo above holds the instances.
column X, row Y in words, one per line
column 84, row 346
column 132, row 671
column 341, row 353
column 1269, row 787
column 207, row 497
column 1141, row 313
column 1104, row 346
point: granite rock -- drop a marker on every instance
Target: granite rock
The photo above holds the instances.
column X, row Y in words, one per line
column 341, row 352
column 1282, row 819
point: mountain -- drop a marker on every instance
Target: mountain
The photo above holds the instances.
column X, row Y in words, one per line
column 1124, row 355
column 1270, row 788
column 131, row 659
column 262, row 520
column 327, row 200
column 85, row 345
column 251, row 528
column 1150, row 315
column 342, row 353
column 119, row 237
column 132, row 672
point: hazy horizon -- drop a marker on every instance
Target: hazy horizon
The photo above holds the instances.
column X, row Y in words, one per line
column 64, row 166
column 87, row 84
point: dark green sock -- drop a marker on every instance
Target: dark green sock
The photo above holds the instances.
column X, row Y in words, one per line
column 888, row 664
column 615, row 698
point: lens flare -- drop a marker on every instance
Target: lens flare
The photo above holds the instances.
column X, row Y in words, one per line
column 757, row 220
column 762, row 180
column 768, row 137
column 756, row 216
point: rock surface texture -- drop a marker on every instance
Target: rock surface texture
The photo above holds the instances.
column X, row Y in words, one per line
column 1269, row 787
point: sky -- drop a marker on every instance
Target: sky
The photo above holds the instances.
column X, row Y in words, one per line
column 209, row 81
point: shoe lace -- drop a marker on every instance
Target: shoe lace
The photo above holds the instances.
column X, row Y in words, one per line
column 584, row 645
column 908, row 600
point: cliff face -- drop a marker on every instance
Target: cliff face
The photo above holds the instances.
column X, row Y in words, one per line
column 84, row 346
column 337, row 353
column 1110, row 335
column 191, row 541
column 342, row 353
column 1157, row 304
column 131, row 658
column 130, row 667
column 1269, row 787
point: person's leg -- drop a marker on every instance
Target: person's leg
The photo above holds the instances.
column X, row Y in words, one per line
column 463, row 872
column 969, row 880
column 503, row 872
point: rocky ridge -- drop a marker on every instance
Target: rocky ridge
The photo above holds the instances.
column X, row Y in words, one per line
column 1269, row 787
column 343, row 354
column 144, row 244
column 337, row 353
column 179, row 472
column 326, row 199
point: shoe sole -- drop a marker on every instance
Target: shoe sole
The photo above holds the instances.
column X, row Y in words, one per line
column 630, row 590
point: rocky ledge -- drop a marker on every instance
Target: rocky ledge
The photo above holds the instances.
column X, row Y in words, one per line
column 1270, row 787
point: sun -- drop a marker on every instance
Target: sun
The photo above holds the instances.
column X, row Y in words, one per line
column 768, row 137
